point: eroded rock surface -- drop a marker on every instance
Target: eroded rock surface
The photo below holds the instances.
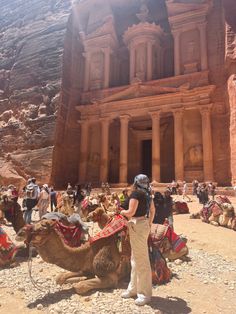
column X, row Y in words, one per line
column 31, row 47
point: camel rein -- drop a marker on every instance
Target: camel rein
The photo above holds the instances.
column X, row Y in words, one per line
column 30, row 262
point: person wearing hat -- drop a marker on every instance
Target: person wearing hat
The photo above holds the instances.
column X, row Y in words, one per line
column 44, row 200
column 140, row 211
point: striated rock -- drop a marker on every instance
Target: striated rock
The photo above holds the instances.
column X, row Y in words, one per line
column 31, row 45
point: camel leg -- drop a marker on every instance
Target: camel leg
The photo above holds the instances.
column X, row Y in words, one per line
column 110, row 281
column 62, row 278
column 172, row 255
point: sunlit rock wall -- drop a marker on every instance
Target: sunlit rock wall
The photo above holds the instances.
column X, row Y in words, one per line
column 31, row 47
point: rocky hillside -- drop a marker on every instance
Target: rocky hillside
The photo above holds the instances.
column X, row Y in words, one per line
column 31, row 47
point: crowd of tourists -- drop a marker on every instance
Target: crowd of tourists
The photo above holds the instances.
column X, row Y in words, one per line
column 202, row 190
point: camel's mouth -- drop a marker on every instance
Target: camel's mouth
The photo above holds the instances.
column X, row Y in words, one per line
column 34, row 234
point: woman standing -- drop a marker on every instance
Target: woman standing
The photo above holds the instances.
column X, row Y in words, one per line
column 44, row 199
column 137, row 207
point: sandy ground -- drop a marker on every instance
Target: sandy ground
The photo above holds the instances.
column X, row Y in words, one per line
column 206, row 284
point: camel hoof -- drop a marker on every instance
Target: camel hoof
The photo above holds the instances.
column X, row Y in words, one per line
column 81, row 288
column 60, row 280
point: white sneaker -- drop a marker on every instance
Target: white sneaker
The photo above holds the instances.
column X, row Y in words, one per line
column 127, row 294
column 140, row 301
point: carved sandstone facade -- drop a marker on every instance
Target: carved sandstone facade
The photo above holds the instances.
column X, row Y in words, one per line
column 143, row 90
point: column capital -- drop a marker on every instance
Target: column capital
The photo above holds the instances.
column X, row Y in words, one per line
column 205, row 109
column 84, row 121
column 86, row 54
column 125, row 117
column 105, row 119
column 155, row 114
column 178, row 112
column 176, row 32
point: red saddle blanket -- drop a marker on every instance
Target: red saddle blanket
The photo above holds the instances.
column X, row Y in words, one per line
column 117, row 224
column 181, row 208
column 71, row 234
column 7, row 247
column 160, row 232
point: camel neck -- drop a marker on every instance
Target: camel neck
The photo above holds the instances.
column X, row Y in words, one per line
column 54, row 251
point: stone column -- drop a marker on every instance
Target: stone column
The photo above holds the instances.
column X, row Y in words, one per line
column 83, row 156
column 207, row 143
column 87, row 57
column 124, row 123
column 156, row 176
column 104, row 161
column 176, row 35
column 149, row 60
column 132, row 63
column 106, row 52
column 203, row 45
column 179, row 145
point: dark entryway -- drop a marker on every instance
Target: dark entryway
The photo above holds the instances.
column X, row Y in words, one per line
column 147, row 157
column 167, row 149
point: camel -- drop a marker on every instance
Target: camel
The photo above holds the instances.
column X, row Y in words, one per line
column 66, row 204
column 11, row 211
column 217, row 214
column 102, row 218
column 99, row 262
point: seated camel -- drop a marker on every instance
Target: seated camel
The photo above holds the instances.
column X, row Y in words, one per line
column 221, row 214
column 99, row 261
column 162, row 234
column 11, row 211
column 66, row 204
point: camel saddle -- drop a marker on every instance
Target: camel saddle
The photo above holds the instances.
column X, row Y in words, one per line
column 116, row 224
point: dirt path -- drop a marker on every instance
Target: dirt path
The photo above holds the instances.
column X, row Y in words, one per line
column 206, row 284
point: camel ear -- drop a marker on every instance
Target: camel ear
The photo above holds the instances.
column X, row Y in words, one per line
column 47, row 224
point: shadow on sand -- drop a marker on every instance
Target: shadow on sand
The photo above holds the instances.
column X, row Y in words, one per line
column 52, row 298
column 170, row 305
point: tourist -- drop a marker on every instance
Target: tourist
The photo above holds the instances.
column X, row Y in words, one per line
column 107, row 188
column 160, row 214
column 195, row 186
column 123, row 196
column 53, row 199
column 79, row 195
column 203, row 194
column 136, row 208
column 168, row 208
column 88, row 188
column 173, row 187
column 103, row 187
column 44, row 200
column 212, row 190
column 31, row 198
column 185, row 192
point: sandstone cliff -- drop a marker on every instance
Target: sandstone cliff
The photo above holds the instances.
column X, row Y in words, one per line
column 31, row 48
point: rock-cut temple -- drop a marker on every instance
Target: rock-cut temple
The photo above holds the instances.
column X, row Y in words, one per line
column 144, row 90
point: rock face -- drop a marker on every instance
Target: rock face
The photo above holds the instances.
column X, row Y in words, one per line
column 31, row 47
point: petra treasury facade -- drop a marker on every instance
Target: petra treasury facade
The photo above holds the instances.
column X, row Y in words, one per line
column 145, row 89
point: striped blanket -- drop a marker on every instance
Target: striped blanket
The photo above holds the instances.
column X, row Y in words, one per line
column 71, row 234
column 7, row 248
column 117, row 224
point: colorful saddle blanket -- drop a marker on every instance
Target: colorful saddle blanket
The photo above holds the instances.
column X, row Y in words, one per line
column 7, row 248
column 71, row 234
column 181, row 208
column 160, row 232
column 117, row 224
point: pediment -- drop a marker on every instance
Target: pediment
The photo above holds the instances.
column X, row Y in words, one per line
column 138, row 90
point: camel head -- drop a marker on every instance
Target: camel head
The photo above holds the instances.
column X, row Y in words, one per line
column 100, row 216
column 36, row 234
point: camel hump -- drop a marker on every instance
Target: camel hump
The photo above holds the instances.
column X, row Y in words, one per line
column 105, row 261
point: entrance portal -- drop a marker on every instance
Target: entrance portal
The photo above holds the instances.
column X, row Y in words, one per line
column 147, row 157
column 167, row 149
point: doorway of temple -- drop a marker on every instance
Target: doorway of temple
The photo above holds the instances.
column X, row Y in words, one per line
column 167, row 159
column 147, row 157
